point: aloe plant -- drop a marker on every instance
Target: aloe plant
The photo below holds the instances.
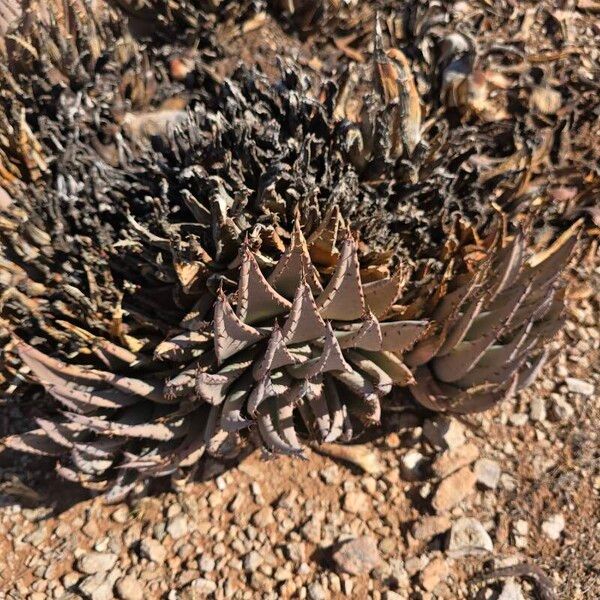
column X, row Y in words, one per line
column 175, row 278
column 492, row 329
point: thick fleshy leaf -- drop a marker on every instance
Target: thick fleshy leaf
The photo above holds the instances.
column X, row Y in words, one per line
column 343, row 298
column 64, row 434
column 262, row 390
column 462, row 328
column 509, row 262
column 427, row 392
column 148, row 430
column 256, row 299
column 268, row 428
column 331, row 359
column 182, row 346
column 230, row 333
column 316, row 400
column 212, row 388
column 399, row 373
column 322, row 243
column 381, row 295
column 34, row 442
column 465, row 355
column 89, row 464
column 529, row 373
column 364, row 389
column 276, row 355
column 336, row 411
column 481, row 398
column 285, row 418
column 293, row 267
column 367, row 335
column 231, row 416
column 304, row 322
column 400, row 336
column 380, row 379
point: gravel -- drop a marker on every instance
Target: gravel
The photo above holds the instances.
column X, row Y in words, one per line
column 488, row 473
column 359, row 555
column 96, row 562
column 553, row 527
column 468, row 537
column 454, row 489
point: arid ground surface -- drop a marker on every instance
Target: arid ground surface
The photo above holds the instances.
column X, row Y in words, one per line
column 429, row 505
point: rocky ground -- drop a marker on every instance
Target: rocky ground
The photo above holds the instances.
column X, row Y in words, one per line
column 503, row 505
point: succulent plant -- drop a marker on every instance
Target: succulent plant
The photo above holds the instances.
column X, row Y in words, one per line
column 289, row 343
column 174, row 277
column 492, row 329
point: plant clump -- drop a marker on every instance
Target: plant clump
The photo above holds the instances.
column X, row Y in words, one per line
column 190, row 262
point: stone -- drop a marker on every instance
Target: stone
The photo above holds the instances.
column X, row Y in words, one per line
column 444, row 433
column 488, row 473
column 153, row 550
column 96, row 562
column 435, row 572
column 312, row 529
column 389, row 595
column 263, row 517
column 388, row 545
column 560, row 408
column 356, row 556
column 511, row 591
column 537, row 409
column 452, row 460
column 252, row 561
column 129, row 588
column 120, row 515
column 98, row 586
column 412, row 466
column 295, row 551
column 414, row 564
column 356, row 502
column 430, row 526
column 553, row 527
column 70, row 579
column 468, row 537
column 393, row 441
column 317, row 592
column 199, row 588
column 331, row 475
column 282, row 574
column 521, row 527
column 518, row 419
column 578, row 386
column 177, row 527
column 520, row 532
column 206, row 564
column 454, row 489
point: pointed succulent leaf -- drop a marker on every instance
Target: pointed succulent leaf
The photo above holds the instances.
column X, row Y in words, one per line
column 381, row 295
column 276, row 355
column 382, row 382
column 256, row 299
column 400, row 336
column 34, row 442
column 465, row 355
column 343, row 298
column 293, row 267
column 230, row 333
column 367, row 336
column 331, row 359
column 212, row 388
column 304, row 322
column 399, row 373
